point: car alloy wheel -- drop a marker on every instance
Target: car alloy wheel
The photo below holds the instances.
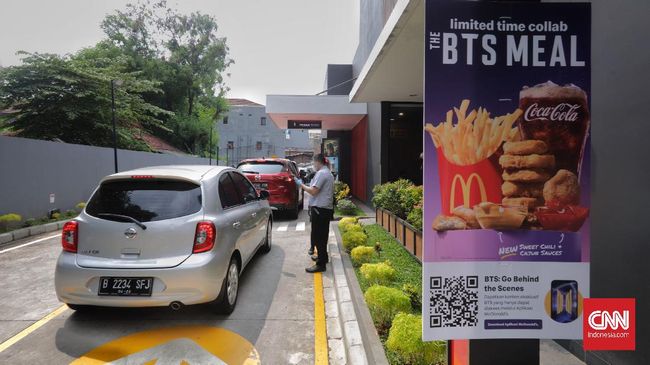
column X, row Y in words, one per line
column 233, row 283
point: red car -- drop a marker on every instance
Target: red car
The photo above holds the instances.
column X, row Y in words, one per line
column 278, row 177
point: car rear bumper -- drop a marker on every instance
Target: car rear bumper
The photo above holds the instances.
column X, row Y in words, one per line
column 196, row 280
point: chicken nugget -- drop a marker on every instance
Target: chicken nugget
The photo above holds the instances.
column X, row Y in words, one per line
column 523, row 190
column 527, row 176
column 466, row 214
column 528, row 203
column 448, row 223
column 525, row 147
column 562, row 189
column 527, row 162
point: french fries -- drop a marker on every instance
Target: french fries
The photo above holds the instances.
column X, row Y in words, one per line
column 475, row 136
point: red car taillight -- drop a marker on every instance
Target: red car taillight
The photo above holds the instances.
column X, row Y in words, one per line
column 206, row 235
column 70, row 236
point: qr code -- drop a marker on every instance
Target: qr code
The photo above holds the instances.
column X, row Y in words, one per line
column 453, row 301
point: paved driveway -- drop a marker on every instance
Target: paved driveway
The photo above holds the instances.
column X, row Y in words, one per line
column 272, row 324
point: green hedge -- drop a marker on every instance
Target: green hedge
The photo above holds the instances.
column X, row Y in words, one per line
column 401, row 198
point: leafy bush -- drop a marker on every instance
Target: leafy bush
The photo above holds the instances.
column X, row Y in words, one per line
column 31, row 222
column 346, row 206
column 353, row 238
column 384, row 302
column 71, row 213
column 9, row 221
column 398, row 197
column 56, row 216
column 361, row 254
column 346, row 223
column 81, row 205
column 415, row 294
column 379, row 273
column 341, row 191
column 405, row 339
column 415, row 217
column 10, row 218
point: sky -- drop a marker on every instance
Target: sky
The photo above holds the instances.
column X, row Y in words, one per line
column 279, row 46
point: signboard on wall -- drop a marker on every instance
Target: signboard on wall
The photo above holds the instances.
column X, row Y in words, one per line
column 506, row 170
column 331, row 151
column 304, row 124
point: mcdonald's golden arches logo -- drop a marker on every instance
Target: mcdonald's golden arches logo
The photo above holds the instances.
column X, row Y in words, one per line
column 466, row 189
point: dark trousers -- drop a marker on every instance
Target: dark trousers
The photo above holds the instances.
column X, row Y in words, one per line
column 320, row 231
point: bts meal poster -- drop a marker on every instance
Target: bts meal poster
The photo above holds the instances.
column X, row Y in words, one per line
column 507, row 166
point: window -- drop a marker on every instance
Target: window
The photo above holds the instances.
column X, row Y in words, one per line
column 244, row 186
column 228, row 193
column 231, row 145
column 225, row 120
column 258, row 146
column 146, row 200
column 270, row 167
column 263, row 121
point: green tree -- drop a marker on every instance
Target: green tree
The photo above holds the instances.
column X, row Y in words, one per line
column 69, row 98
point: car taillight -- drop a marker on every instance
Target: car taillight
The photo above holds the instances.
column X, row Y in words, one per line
column 206, row 235
column 70, row 236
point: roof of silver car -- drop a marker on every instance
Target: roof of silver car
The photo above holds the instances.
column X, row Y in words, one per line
column 186, row 172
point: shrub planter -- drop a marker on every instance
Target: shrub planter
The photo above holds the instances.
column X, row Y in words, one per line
column 409, row 236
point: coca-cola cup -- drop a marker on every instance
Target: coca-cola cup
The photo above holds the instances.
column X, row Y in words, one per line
column 559, row 116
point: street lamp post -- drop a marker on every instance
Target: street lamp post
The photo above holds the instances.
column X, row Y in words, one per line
column 113, row 84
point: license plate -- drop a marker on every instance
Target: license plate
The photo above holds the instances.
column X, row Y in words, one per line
column 261, row 186
column 125, row 287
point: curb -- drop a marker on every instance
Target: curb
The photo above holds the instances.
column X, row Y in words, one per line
column 343, row 333
column 9, row 237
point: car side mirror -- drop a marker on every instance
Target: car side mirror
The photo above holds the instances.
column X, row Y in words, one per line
column 264, row 194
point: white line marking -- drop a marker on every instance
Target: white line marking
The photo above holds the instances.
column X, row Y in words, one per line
column 283, row 228
column 300, row 226
column 29, row 243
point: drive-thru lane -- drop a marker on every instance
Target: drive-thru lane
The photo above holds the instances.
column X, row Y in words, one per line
column 274, row 314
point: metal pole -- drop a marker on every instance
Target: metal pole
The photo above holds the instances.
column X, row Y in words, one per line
column 114, row 126
column 211, row 145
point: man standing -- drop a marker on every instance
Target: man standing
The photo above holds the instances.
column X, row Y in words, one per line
column 321, row 208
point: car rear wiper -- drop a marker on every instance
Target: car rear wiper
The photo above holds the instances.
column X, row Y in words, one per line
column 250, row 172
column 128, row 218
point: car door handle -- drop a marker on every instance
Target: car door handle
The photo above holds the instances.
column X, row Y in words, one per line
column 254, row 215
column 236, row 225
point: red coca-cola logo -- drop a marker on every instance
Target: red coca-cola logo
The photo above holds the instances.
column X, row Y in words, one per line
column 563, row 112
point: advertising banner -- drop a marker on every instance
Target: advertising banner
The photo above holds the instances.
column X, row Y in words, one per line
column 506, row 169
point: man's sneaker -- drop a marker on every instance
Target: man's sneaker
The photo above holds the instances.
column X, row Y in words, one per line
column 315, row 268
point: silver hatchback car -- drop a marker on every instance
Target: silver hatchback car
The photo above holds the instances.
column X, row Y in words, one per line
column 163, row 236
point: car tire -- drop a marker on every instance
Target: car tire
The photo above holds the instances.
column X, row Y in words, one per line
column 227, row 300
column 268, row 240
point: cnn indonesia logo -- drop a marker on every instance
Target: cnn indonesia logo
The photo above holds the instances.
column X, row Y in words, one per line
column 609, row 324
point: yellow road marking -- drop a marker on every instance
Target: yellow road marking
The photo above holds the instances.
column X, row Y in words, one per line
column 226, row 345
column 320, row 328
column 38, row 324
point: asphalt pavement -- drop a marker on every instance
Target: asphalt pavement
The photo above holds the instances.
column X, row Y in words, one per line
column 273, row 322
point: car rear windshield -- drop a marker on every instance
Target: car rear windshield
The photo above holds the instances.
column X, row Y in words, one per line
column 262, row 168
column 145, row 200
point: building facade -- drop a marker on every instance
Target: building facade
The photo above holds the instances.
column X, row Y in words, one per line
column 247, row 132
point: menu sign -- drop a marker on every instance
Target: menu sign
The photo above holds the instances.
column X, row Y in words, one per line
column 506, row 169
